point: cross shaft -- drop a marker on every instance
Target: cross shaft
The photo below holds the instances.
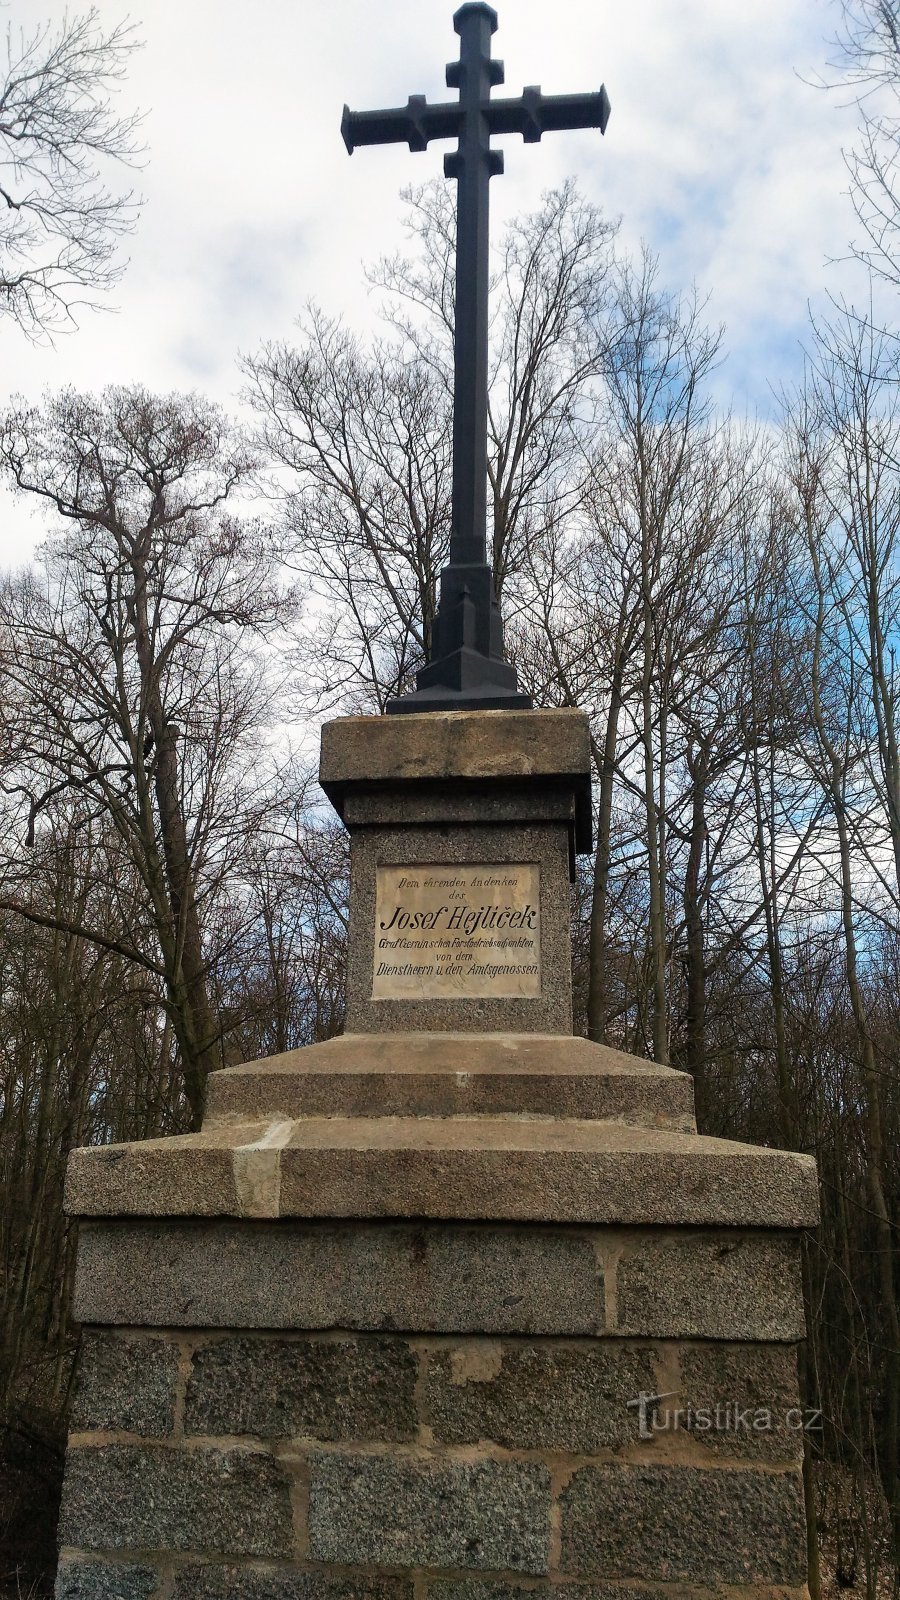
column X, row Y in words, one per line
column 467, row 669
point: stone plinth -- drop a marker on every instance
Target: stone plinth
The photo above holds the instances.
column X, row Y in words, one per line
column 391, row 1325
column 486, row 792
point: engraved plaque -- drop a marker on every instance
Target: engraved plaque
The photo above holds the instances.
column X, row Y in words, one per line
column 457, row 932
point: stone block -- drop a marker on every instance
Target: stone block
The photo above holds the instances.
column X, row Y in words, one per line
column 684, row 1524
column 125, row 1383
column 487, row 1589
column 282, row 1388
column 464, row 1168
column 543, row 844
column 445, row 1074
column 235, row 1502
column 752, row 1393
column 406, row 1511
column 190, row 1174
column 743, row 1286
column 417, row 1278
column 536, row 1397
column 445, row 746
column 493, row 1589
column 215, row 1582
column 539, row 1170
column 104, row 1580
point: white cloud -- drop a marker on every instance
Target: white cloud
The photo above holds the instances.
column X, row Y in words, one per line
column 717, row 153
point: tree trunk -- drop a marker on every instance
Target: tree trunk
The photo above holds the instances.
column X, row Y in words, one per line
column 598, row 964
column 192, row 1017
column 695, row 963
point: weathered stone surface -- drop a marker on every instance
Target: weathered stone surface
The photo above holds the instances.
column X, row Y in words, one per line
column 191, row 1175
column 147, row 1497
column 465, row 1167
column 125, row 1383
column 589, row 1172
column 712, row 1286
column 328, row 1389
column 494, row 1589
column 447, row 1074
column 491, row 1589
column 447, row 745
column 404, row 1511
column 544, row 845
column 752, row 1392
column 536, row 1397
column 103, row 1580
column 426, row 1278
column 684, row 1524
column 215, row 1582
column 489, row 800
column 488, row 1589
column 483, row 1589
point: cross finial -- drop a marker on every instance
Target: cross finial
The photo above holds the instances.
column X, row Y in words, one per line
column 471, row 9
column 467, row 668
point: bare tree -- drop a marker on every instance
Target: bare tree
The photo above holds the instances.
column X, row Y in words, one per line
column 650, row 472
column 856, row 369
column 60, row 221
column 867, row 61
column 361, row 441
column 360, row 438
column 130, row 671
column 839, row 698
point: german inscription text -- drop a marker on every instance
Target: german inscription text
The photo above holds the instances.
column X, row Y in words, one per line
column 463, row 932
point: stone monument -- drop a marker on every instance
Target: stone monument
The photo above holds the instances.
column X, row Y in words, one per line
column 456, row 1306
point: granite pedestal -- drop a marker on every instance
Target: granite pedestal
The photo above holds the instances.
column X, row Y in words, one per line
column 456, row 1306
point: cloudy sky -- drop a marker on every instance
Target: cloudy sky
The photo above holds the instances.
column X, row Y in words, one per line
column 719, row 153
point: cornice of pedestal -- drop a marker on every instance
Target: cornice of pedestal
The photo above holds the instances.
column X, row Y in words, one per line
column 462, row 751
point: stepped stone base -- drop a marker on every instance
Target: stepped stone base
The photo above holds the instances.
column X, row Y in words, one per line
column 438, row 1394
column 397, row 1322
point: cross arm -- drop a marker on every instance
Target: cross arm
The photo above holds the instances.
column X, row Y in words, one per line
column 413, row 124
column 537, row 113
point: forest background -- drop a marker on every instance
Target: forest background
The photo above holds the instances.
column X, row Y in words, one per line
column 721, row 594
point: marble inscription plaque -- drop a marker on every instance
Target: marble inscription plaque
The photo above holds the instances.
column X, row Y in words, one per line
column 457, row 932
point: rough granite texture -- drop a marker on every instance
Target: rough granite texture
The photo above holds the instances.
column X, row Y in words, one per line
column 101, row 1580
column 715, row 1285
column 455, row 744
column 755, row 1387
column 279, row 1388
column 460, row 748
column 481, row 1589
column 150, row 1497
column 679, row 1524
column 536, row 1397
column 125, row 1384
column 544, row 843
column 216, row 1582
column 378, row 1330
column 419, row 1277
column 406, row 1511
column 441, row 1278
column 493, row 1589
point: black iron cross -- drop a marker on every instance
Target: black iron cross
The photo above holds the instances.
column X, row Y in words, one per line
column 467, row 669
